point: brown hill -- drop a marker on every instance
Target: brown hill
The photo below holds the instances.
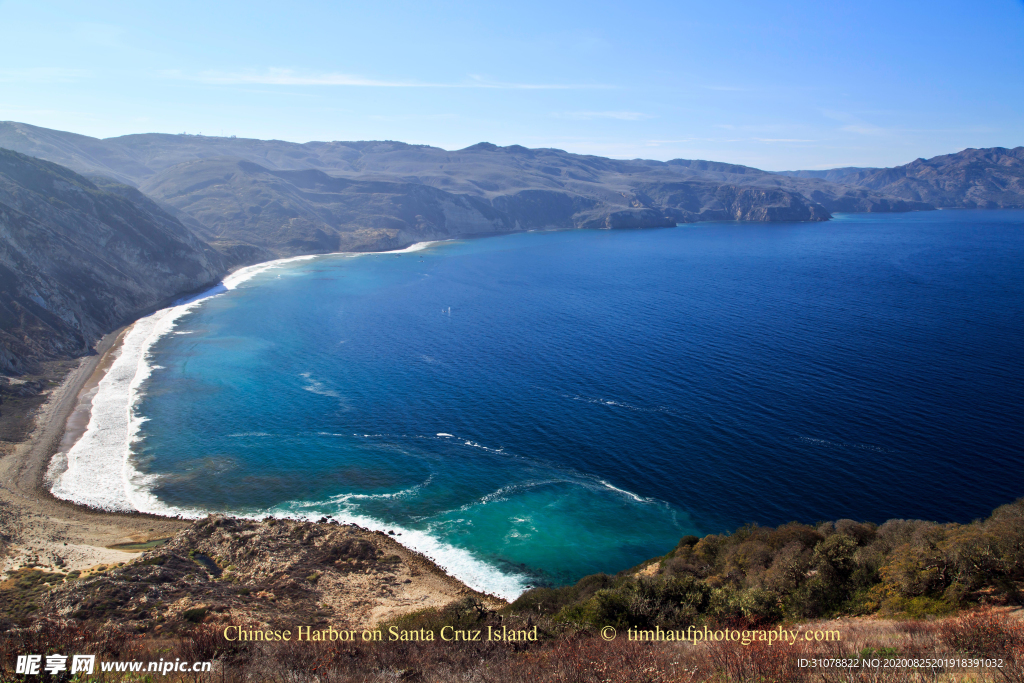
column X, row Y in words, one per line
column 990, row 178
column 296, row 212
column 291, row 198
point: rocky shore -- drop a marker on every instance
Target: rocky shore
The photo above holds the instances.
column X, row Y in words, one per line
column 274, row 573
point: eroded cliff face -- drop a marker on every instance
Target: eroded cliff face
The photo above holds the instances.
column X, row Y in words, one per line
column 309, row 211
column 255, row 199
column 78, row 260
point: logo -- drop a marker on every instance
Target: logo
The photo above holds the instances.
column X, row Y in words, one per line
column 31, row 665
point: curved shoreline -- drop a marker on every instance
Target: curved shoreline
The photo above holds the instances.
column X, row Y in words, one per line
column 40, row 529
column 57, row 455
column 66, row 536
column 83, row 473
column 87, row 476
column 50, row 532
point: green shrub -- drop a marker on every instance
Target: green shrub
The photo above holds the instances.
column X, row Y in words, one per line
column 461, row 615
column 194, row 615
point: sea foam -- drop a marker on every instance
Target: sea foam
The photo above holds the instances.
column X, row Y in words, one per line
column 98, row 471
column 458, row 562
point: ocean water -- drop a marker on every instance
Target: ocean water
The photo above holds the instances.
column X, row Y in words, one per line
column 535, row 407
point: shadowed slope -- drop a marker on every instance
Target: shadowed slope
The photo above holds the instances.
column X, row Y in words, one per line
column 78, row 260
column 295, row 212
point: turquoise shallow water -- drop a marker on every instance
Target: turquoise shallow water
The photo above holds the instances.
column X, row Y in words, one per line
column 563, row 403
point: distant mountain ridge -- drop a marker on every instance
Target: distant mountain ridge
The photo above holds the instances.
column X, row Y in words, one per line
column 160, row 215
column 284, row 198
column 991, row 178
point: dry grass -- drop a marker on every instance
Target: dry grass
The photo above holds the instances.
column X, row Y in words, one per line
column 572, row 657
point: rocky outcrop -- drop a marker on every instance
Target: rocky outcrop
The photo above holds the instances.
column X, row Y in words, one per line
column 78, row 260
column 226, row 570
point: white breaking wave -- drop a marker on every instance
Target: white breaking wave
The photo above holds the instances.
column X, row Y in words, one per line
column 620, row 404
column 100, row 472
column 503, row 493
column 318, row 387
column 419, row 246
column 404, row 493
column 835, row 444
column 628, row 494
column 460, row 563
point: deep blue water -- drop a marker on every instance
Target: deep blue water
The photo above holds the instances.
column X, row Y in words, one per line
column 608, row 392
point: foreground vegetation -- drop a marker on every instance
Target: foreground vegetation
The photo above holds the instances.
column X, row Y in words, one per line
column 902, row 590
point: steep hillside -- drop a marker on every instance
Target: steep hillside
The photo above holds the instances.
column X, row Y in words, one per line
column 990, row 178
column 77, row 260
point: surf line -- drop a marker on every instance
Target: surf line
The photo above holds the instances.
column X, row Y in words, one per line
column 98, row 470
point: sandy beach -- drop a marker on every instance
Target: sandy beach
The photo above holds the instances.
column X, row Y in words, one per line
column 52, row 533
column 41, row 531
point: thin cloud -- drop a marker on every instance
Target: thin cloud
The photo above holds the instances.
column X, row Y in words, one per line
column 477, row 81
column 836, row 164
column 866, row 129
column 855, row 124
column 783, row 140
column 18, row 111
column 659, row 143
column 412, row 117
column 42, row 74
column 288, row 77
column 619, row 115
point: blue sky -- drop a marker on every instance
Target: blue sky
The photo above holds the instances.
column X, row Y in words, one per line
column 769, row 84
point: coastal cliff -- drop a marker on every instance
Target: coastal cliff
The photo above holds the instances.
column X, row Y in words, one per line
column 300, row 212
